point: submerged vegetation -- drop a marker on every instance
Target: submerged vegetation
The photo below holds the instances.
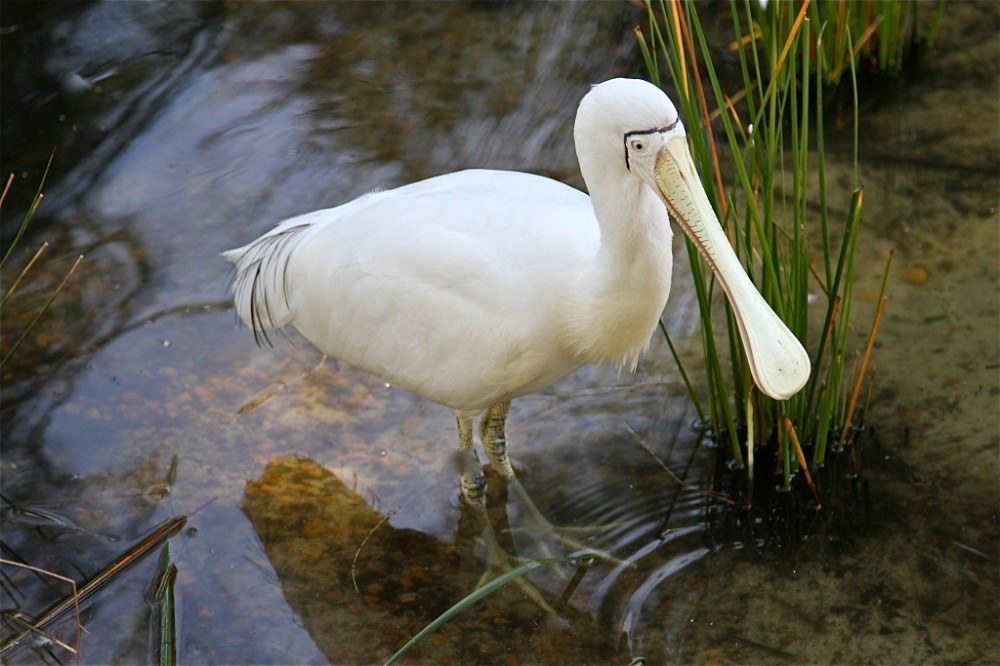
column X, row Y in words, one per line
column 24, row 623
column 759, row 145
column 17, row 336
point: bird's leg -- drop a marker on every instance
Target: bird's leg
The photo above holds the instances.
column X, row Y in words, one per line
column 493, row 431
column 474, row 491
column 471, row 473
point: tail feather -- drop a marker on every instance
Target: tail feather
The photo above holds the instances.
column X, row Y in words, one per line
column 261, row 283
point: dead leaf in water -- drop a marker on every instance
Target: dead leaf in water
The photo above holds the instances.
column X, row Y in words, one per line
column 916, row 275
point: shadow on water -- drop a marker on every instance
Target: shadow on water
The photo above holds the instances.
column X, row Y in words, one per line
column 199, row 125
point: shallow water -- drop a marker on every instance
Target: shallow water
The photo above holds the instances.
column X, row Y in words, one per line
column 207, row 123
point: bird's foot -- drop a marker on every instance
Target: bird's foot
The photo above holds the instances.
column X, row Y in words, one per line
column 501, row 558
column 543, row 531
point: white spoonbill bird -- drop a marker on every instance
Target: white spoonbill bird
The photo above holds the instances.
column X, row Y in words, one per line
column 473, row 288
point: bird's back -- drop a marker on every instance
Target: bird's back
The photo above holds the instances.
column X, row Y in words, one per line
column 453, row 287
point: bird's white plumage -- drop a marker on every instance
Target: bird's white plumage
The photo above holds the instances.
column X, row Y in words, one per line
column 476, row 287
column 467, row 289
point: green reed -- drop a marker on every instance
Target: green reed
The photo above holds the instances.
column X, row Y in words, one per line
column 768, row 135
column 479, row 593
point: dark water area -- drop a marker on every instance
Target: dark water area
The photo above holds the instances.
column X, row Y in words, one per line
column 324, row 525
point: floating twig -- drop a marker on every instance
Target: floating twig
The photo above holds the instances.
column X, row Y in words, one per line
column 36, row 627
column 354, row 562
column 104, row 578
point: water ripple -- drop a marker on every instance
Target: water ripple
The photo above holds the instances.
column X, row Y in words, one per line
column 635, row 602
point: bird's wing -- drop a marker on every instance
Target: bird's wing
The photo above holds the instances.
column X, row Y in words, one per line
column 437, row 285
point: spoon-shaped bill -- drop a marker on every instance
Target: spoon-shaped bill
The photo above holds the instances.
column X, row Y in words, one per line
column 778, row 362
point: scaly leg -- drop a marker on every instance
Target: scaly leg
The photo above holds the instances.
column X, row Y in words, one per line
column 474, row 491
column 472, row 478
column 493, row 431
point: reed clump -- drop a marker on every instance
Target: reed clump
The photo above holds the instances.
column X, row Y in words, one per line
column 759, row 146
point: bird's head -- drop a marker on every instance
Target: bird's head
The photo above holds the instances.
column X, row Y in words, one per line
column 621, row 122
column 632, row 130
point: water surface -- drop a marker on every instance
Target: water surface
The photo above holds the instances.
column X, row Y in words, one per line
column 201, row 125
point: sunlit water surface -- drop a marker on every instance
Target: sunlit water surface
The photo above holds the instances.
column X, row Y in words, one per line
column 324, row 525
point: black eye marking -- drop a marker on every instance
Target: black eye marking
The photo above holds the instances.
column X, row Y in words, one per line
column 654, row 130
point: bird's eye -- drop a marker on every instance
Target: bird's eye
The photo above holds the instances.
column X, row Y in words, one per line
column 638, row 145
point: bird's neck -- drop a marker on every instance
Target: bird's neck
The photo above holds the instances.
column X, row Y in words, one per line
column 630, row 281
column 635, row 229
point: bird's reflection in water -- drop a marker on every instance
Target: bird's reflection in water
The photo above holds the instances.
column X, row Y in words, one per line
column 362, row 587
